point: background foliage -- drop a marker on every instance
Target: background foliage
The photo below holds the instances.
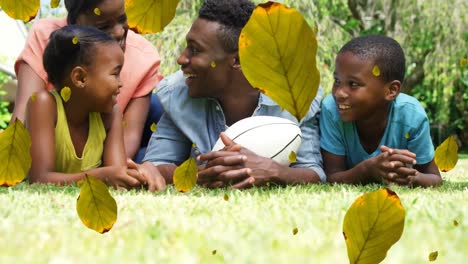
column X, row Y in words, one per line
column 434, row 43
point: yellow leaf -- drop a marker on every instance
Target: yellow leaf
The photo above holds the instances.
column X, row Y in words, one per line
column 96, row 208
column 54, row 3
column 372, row 225
column 226, row 197
column 15, row 158
column 150, row 16
column 20, row 9
column 75, row 40
column 407, row 135
column 455, row 222
column 65, row 93
column 295, row 230
column 446, row 155
column 433, row 256
column 194, row 145
column 463, row 62
column 97, row 11
column 213, row 252
column 292, row 157
column 124, row 123
column 33, row 97
column 185, row 176
column 153, row 127
column 277, row 50
column 376, row 71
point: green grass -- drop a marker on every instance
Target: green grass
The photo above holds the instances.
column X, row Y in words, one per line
column 39, row 224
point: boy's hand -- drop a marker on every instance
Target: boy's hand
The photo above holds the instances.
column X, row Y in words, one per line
column 148, row 175
column 402, row 162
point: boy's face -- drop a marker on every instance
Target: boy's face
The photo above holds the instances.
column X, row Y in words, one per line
column 359, row 95
column 204, row 61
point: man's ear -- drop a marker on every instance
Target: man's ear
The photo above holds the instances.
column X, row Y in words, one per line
column 78, row 76
column 392, row 90
column 235, row 62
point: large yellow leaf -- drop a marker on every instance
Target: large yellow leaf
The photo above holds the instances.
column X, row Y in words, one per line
column 185, row 176
column 150, row 16
column 54, row 3
column 96, row 208
column 15, row 158
column 277, row 50
column 446, row 155
column 372, row 225
column 21, row 9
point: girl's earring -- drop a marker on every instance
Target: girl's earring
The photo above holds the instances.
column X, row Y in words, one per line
column 213, row 64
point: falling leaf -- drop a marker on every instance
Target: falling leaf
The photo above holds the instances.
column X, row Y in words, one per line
column 292, row 157
column 185, row 175
column 455, row 222
column 407, row 135
column 65, row 93
column 372, row 225
column 153, row 127
column 33, row 97
column 15, row 157
column 194, row 145
column 150, row 16
column 96, row 207
column 295, row 230
column 226, row 197
column 280, row 59
column 433, row 256
column 21, row 9
column 213, row 252
column 54, row 3
column 97, row 11
column 124, row 123
column 213, row 64
column 75, row 40
column 376, row 71
column 463, row 62
column 446, row 155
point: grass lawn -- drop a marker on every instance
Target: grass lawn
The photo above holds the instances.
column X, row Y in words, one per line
column 39, row 224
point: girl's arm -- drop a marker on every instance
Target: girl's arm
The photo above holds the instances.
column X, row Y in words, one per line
column 135, row 117
column 28, row 83
column 41, row 120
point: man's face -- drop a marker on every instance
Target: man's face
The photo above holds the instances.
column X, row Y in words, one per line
column 204, row 61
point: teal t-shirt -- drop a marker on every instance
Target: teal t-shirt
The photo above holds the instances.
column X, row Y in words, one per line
column 407, row 128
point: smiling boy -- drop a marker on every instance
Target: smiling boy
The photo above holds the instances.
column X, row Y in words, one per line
column 369, row 131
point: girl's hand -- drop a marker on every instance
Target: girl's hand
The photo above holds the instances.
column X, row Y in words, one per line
column 148, row 173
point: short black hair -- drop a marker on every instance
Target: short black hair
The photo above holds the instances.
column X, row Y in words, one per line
column 232, row 15
column 68, row 47
column 78, row 7
column 386, row 53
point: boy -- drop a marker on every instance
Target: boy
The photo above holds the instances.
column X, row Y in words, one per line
column 369, row 131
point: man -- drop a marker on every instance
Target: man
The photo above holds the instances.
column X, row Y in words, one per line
column 211, row 93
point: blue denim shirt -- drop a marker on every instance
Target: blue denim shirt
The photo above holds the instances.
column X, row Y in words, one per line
column 191, row 126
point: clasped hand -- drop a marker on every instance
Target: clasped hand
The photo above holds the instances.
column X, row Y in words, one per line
column 236, row 165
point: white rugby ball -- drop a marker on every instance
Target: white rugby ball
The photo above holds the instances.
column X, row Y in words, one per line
column 267, row 136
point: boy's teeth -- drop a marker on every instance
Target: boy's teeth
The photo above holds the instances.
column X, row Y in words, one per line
column 189, row 75
column 344, row 107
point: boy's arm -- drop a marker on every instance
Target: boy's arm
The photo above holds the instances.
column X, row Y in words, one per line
column 40, row 121
column 428, row 175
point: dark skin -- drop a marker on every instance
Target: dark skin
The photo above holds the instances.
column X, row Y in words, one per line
column 113, row 21
column 363, row 98
column 85, row 98
column 234, row 165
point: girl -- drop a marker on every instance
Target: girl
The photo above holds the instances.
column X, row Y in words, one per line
column 77, row 129
column 139, row 75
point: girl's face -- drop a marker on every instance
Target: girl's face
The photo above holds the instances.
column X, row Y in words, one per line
column 103, row 76
column 111, row 19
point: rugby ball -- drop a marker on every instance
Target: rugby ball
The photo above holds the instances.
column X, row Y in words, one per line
column 267, row 136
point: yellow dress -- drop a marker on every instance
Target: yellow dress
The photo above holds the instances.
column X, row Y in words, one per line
column 66, row 160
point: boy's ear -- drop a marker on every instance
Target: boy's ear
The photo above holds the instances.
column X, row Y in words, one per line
column 392, row 90
column 78, row 76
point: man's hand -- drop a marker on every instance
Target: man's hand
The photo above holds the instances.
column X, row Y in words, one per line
column 236, row 165
column 148, row 174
